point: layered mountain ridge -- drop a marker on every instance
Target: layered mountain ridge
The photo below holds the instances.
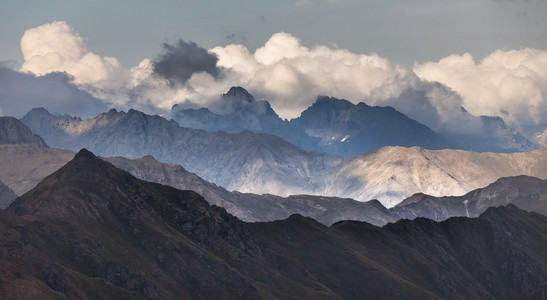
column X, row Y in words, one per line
column 339, row 127
column 528, row 193
column 266, row 207
column 94, row 231
column 265, row 164
column 330, row 125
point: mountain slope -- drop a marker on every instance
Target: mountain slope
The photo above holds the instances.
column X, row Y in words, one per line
column 489, row 134
column 252, row 207
column 129, row 235
column 260, row 164
column 231, row 160
column 22, row 167
column 13, row 131
column 237, row 111
column 90, row 230
column 344, row 128
column 7, row 195
column 458, row 258
column 330, row 125
column 528, row 193
column 390, row 173
column 339, row 127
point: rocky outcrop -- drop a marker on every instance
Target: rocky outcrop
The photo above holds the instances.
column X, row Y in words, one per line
column 13, row 131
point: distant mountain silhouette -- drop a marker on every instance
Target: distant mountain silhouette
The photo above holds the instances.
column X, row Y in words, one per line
column 490, row 134
column 330, row 125
column 340, row 127
column 344, row 128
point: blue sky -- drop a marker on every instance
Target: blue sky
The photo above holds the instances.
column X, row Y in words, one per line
column 402, row 31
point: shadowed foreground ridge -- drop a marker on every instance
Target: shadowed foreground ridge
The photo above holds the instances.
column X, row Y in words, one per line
column 91, row 230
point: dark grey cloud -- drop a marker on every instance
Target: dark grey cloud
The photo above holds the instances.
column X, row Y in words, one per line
column 180, row 61
column 20, row 92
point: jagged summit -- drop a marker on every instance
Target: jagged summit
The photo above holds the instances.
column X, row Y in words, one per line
column 333, row 101
column 344, row 128
column 238, row 94
column 501, row 211
column 39, row 110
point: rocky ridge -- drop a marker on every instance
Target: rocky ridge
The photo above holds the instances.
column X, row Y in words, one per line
column 90, row 230
column 265, row 164
column 253, row 207
column 13, row 131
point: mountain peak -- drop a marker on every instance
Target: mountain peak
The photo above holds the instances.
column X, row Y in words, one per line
column 332, row 100
column 13, row 131
column 503, row 213
column 84, row 154
column 326, row 103
column 238, row 94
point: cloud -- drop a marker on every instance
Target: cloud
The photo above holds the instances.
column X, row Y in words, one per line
column 180, row 61
column 511, row 84
column 55, row 47
column 291, row 76
column 21, row 92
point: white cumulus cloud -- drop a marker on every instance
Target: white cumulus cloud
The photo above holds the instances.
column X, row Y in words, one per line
column 291, row 75
column 511, row 84
column 55, row 47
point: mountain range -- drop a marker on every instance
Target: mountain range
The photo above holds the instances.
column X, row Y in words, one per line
column 330, row 125
column 264, row 164
column 90, row 230
column 339, row 127
column 528, row 193
column 24, row 165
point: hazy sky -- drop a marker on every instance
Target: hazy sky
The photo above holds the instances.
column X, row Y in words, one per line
column 402, row 31
column 426, row 58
